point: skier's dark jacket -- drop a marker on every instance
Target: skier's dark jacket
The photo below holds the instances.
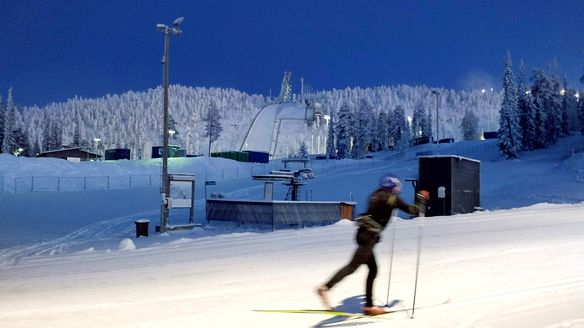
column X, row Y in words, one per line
column 381, row 205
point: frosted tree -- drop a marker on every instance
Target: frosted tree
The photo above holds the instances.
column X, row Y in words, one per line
column 56, row 135
column 382, row 131
column 330, row 139
column 419, row 120
column 46, row 143
column 546, row 99
column 77, row 133
column 363, row 128
column 356, row 146
column 565, row 131
column 509, row 133
column 36, row 149
column 428, row 126
column 343, row 128
column 302, row 151
column 9, row 141
column 52, row 134
column 172, row 127
column 22, row 145
column 470, row 126
column 399, row 128
column 526, row 111
column 213, row 126
column 555, row 115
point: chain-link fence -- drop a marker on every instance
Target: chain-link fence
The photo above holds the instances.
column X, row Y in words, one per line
column 59, row 183
column 38, row 183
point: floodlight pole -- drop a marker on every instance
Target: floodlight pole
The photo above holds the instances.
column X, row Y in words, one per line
column 165, row 184
column 437, row 94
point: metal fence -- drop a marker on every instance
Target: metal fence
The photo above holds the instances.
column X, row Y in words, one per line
column 60, row 183
column 39, row 183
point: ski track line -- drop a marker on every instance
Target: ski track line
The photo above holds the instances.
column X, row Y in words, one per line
column 33, row 256
column 17, row 254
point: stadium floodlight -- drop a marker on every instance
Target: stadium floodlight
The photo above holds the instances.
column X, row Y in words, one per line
column 165, row 185
column 178, row 21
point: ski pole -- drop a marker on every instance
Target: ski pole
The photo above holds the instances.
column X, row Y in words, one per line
column 391, row 258
column 420, row 228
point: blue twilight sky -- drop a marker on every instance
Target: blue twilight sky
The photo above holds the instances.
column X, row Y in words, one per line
column 52, row 50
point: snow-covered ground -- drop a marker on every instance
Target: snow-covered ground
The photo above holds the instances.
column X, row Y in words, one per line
column 71, row 259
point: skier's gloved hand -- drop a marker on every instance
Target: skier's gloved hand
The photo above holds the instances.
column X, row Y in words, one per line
column 422, row 197
column 421, row 200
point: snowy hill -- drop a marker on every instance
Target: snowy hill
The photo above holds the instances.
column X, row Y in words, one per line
column 69, row 258
column 134, row 119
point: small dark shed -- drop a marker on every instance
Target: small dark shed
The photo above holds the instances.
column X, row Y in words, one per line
column 71, row 153
column 258, row 156
column 454, row 183
column 173, row 151
column 117, row 154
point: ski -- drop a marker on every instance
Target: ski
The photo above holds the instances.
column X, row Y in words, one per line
column 329, row 312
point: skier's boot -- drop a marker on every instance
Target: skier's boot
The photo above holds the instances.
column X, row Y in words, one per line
column 322, row 292
column 373, row 310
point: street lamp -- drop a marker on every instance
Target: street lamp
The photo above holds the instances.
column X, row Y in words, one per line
column 165, row 185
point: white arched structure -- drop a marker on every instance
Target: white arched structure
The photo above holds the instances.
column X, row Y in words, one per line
column 263, row 133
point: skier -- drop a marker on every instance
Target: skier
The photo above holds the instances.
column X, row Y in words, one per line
column 382, row 203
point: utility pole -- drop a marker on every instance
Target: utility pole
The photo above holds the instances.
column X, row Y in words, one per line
column 437, row 94
column 165, row 184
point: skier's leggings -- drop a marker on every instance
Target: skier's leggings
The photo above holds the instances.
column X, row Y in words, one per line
column 363, row 255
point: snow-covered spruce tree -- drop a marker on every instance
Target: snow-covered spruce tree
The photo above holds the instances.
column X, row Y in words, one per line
column 470, row 126
column 572, row 107
column 401, row 131
column 36, row 149
column 390, row 130
column 382, row 131
column 22, row 147
column 57, row 135
column 546, row 98
column 565, row 109
column 555, row 115
column 213, row 126
column 428, row 126
column 419, row 120
column 77, row 133
column 363, row 129
column 302, row 151
column 172, row 126
column 356, row 145
column 526, row 111
column 9, row 141
column 343, row 127
column 331, row 151
column 46, row 143
column 509, row 133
